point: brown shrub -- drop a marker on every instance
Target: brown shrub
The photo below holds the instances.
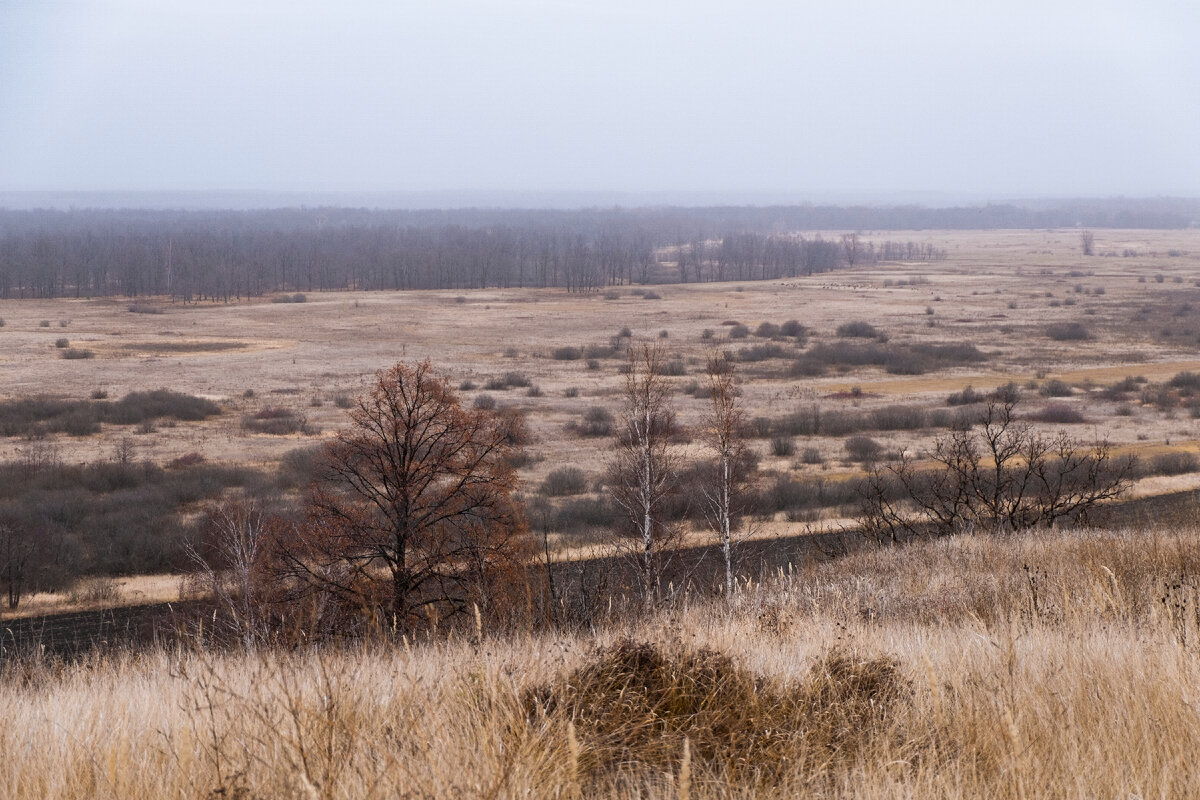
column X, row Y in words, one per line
column 635, row 704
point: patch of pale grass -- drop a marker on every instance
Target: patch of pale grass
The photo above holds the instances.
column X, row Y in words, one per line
column 1050, row 664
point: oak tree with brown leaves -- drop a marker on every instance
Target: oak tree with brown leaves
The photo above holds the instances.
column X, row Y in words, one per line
column 413, row 512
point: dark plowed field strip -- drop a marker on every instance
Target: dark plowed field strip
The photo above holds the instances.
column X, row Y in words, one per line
column 69, row 635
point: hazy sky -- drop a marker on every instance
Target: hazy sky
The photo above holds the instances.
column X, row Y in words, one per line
column 982, row 96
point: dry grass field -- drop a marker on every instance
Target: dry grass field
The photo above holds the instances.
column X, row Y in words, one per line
column 1137, row 300
column 1046, row 665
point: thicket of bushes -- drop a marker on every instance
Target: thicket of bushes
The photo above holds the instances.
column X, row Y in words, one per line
column 109, row 518
column 41, row 415
column 914, row 359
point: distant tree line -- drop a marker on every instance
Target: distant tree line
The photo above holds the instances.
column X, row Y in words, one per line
column 223, row 255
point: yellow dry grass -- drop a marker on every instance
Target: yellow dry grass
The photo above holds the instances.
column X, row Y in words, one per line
column 1048, row 665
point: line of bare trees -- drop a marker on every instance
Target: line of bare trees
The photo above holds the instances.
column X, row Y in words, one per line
column 202, row 256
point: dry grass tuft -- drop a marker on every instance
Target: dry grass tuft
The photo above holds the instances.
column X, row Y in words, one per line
column 639, row 705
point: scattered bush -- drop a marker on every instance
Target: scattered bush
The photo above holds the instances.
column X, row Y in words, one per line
column 811, row 455
column 766, row 330
column 510, row 380
column 566, row 354
column 1174, row 463
column 298, row 297
column 582, row 515
column 739, row 332
column 564, row 482
column 62, row 342
column 597, row 421
column 1067, row 332
column 77, row 353
column 782, row 446
column 859, row 330
column 793, row 328
column 144, row 308
column 484, row 402
column 1055, row 388
column 966, row 397
column 762, row 352
column 275, row 421
column 863, row 449
column 1006, row 393
column 1185, row 380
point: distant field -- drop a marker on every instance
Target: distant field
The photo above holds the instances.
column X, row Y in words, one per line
column 1003, row 306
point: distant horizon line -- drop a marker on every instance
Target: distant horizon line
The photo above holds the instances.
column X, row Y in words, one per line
column 530, row 199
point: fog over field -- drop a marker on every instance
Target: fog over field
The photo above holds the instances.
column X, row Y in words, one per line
column 723, row 102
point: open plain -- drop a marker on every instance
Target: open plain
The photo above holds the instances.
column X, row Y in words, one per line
column 1132, row 311
column 1055, row 663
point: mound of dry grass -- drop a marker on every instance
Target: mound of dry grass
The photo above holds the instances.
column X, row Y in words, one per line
column 635, row 704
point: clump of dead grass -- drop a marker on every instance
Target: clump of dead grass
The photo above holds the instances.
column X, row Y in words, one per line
column 635, row 704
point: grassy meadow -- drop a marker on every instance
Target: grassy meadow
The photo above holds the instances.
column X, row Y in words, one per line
column 1059, row 665
column 1042, row 664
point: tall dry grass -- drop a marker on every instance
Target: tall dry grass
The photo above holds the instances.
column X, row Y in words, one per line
column 1041, row 665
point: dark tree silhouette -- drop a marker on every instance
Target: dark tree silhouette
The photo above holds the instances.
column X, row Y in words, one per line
column 414, row 509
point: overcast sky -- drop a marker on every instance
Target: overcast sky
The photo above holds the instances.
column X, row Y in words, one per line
column 989, row 97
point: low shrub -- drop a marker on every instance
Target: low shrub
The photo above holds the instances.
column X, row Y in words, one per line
column 74, row 353
column 566, row 354
column 762, row 352
column 583, row 515
column 782, row 446
column 858, row 329
column 1055, row 388
column 966, row 397
column 1067, row 332
column 863, row 449
column 739, row 332
column 510, row 380
column 275, row 421
column 597, row 421
column 766, row 330
column 793, row 328
column 564, row 482
column 811, row 455
column 1175, row 463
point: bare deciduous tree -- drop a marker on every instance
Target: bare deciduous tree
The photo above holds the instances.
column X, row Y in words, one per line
column 234, row 561
column 643, row 471
column 1087, row 243
column 1001, row 475
column 723, row 434
column 17, row 548
column 414, row 509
